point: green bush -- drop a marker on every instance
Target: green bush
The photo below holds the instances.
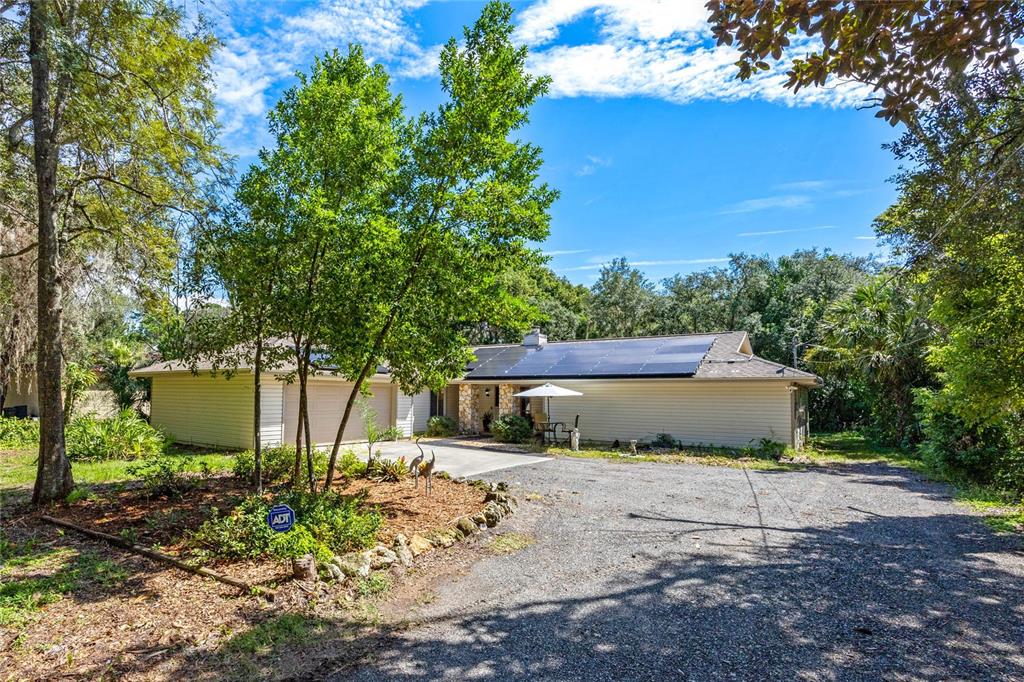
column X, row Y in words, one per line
column 440, row 425
column 391, row 433
column 325, row 524
column 278, row 464
column 511, row 428
column 991, row 454
column 350, row 465
column 168, row 477
column 393, row 470
column 123, row 436
column 18, row 433
column 664, row 440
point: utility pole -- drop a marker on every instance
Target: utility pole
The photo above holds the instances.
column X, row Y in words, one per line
column 796, row 344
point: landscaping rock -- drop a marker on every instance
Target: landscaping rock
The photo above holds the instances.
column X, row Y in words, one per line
column 381, row 557
column 304, row 568
column 335, row 572
column 466, row 525
column 492, row 516
column 419, row 544
column 401, row 550
column 354, row 564
column 445, row 538
column 480, row 520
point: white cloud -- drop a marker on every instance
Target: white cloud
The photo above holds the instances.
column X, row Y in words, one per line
column 764, row 203
column 651, row 48
column 803, row 185
column 252, row 63
column 765, row 233
column 592, row 164
column 866, row 237
column 656, row 48
column 647, row 263
column 565, row 252
column 644, row 19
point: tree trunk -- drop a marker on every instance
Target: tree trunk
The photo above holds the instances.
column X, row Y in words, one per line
column 257, row 444
column 53, row 475
column 7, row 358
column 356, row 387
column 309, row 444
column 304, row 412
column 297, row 469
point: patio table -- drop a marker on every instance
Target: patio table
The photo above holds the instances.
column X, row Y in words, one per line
column 545, row 428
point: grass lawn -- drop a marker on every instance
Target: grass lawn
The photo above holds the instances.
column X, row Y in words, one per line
column 850, row 447
column 707, row 456
column 18, row 467
column 32, row 577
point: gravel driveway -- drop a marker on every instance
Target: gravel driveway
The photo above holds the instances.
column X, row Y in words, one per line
column 654, row 571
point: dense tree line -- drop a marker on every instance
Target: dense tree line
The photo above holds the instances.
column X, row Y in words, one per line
column 937, row 340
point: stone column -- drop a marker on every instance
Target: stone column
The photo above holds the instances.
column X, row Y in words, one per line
column 469, row 415
column 507, row 400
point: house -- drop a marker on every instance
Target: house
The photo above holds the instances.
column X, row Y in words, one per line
column 698, row 388
column 20, row 398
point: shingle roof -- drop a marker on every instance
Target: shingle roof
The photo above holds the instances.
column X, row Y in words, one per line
column 641, row 357
column 724, row 360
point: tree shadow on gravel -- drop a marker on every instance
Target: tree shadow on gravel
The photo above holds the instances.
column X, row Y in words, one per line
column 924, row 597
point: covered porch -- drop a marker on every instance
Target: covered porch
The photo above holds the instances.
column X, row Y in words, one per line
column 473, row 405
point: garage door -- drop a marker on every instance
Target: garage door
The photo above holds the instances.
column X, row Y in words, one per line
column 326, row 401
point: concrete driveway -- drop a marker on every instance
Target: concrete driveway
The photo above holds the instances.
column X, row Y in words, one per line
column 460, row 457
column 665, row 572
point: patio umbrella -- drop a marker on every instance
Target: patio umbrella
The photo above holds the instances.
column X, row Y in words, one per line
column 548, row 391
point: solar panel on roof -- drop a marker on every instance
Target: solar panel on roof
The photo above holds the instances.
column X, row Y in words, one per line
column 665, row 356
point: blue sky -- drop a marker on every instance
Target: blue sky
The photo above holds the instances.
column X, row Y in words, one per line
column 660, row 154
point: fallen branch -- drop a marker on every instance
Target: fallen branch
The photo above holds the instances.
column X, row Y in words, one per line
column 160, row 556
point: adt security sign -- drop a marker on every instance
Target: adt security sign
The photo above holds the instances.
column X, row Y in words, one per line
column 281, row 518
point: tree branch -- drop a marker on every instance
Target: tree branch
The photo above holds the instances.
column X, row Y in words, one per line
column 20, row 252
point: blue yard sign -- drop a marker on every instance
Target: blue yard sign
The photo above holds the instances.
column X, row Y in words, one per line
column 281, row 518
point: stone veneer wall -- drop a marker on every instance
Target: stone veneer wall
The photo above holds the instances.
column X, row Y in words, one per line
column 506, row 400
column 469, row 416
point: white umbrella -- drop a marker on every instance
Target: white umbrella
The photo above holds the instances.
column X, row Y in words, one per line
column 548, row 391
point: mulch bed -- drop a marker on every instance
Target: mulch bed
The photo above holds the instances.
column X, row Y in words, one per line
column 409, row 511
column 163, row 623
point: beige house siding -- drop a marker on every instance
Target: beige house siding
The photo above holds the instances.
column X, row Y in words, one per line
column 271, row 412
column 326, row 399
column 22, row 391
column 412, row 412
column 728, row 413
column 204, row 410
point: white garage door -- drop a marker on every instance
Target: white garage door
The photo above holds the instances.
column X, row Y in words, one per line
column 326, row 400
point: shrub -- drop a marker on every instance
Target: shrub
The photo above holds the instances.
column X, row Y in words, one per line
column 391, row 433
column 350, row 465
column 326, row 523
column 18, row 433
column 765, row 448
column 278, row 464
column 168, row 477
column 664, row 440
column 511, row 428
column 440, row 425
column 388, row 469
column 123, row 436
column 991, row 454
